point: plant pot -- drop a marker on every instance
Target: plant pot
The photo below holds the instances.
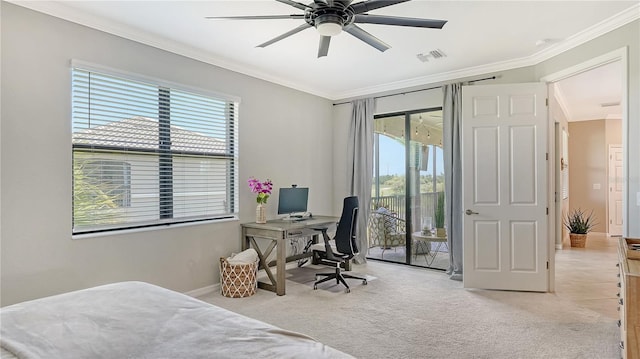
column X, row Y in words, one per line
column 441, row 232
column 261, row 213
column 578, row 240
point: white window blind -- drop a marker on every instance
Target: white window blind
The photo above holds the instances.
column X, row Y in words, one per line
column 146, row 154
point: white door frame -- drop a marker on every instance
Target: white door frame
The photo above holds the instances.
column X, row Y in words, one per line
column 610, row 196
column 620, row 54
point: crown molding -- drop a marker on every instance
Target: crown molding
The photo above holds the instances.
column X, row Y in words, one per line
column 58, row 9
column 618, row 20
column 436, row 78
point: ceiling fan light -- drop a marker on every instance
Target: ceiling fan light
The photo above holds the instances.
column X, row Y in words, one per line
column 329, row 29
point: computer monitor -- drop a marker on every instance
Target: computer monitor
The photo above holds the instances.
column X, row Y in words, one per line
column 292, row 200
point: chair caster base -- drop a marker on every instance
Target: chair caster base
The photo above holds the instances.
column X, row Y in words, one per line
column 364, row 282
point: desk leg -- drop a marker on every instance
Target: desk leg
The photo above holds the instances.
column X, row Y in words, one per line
column 281, row 262
column 265, row 265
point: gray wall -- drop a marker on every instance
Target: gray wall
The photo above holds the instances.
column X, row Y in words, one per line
column 38, row 256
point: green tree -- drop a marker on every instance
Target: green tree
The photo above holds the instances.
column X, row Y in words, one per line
column 94, row 202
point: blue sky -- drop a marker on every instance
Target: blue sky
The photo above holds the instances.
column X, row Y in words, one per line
column 392, row 158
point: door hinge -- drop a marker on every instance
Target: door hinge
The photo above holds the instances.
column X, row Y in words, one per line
column 546, row 102
column 547, row 211
column 547, row 156
column 547, row 264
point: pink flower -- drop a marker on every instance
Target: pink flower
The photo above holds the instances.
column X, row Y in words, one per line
column 263, row 189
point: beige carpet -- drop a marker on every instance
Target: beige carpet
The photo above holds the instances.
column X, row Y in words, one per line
column 436, row 260
column 409, row 312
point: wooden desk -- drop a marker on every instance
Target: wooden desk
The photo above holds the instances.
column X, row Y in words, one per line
column 278, row 231
column 424, row 239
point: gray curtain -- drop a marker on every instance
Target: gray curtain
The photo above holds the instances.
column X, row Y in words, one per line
column 452, row 137
column 360, row 165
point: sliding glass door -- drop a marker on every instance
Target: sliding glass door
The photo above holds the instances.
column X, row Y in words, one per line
column 408, row 177
column 388, row 220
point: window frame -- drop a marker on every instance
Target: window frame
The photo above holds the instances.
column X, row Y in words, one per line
column 166, row 218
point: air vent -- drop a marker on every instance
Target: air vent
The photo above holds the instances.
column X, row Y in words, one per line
column 434, row 54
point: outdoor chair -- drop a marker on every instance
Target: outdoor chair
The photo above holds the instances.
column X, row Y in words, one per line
column 386, row 230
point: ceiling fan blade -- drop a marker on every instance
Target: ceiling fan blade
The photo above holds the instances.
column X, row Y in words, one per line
column 285, row 35
column 366, row 37
column 294, row 4
column 331, row 3
column 359, row 8
column 260, row 17
column 323, row 49
column 398, row 21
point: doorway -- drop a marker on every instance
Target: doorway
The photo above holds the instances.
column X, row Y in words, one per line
column 590, row 118
column 408, row 190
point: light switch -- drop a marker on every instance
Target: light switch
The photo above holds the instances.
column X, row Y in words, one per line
column 596, row 186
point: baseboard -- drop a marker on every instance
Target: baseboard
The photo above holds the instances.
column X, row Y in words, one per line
column 204, row 290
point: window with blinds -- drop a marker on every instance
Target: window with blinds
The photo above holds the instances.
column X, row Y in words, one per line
column 147, row 154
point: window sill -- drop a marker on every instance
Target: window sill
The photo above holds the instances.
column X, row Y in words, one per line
column 148, row 229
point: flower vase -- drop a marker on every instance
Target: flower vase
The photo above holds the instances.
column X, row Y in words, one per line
column 261, row 213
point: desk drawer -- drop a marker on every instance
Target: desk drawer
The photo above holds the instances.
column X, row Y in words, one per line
column 277, row 234
column 300, row 232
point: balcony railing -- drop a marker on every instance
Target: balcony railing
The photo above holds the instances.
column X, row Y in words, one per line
column 426, row 204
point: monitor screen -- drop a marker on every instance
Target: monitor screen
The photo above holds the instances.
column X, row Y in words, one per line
column 292, row 200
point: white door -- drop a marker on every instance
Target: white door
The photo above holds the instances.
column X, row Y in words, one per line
column 504, row 167
column 615, row 190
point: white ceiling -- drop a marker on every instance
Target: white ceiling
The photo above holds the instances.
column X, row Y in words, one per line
column 592, row 95
column 480, row 37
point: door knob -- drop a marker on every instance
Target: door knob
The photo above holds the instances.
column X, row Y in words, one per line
column 470, row 212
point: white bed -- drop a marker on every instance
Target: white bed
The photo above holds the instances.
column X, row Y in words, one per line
column 140, row 320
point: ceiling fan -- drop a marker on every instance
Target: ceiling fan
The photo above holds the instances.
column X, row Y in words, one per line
column 331, row 17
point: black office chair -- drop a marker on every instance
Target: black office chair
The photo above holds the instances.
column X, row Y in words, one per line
column 345, row 244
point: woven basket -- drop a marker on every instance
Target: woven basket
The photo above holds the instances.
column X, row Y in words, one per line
column 578, row 240
column 238, row 280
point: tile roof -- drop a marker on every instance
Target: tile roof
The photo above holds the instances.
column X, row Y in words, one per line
column 142, row 133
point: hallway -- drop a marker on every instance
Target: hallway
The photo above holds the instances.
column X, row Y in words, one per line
column 588, row 276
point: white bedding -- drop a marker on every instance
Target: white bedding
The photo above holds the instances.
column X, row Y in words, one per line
column 140, row 320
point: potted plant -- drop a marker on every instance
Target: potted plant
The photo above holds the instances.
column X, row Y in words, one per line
column 263, row 191
column 579, row 224
column 439, row 216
